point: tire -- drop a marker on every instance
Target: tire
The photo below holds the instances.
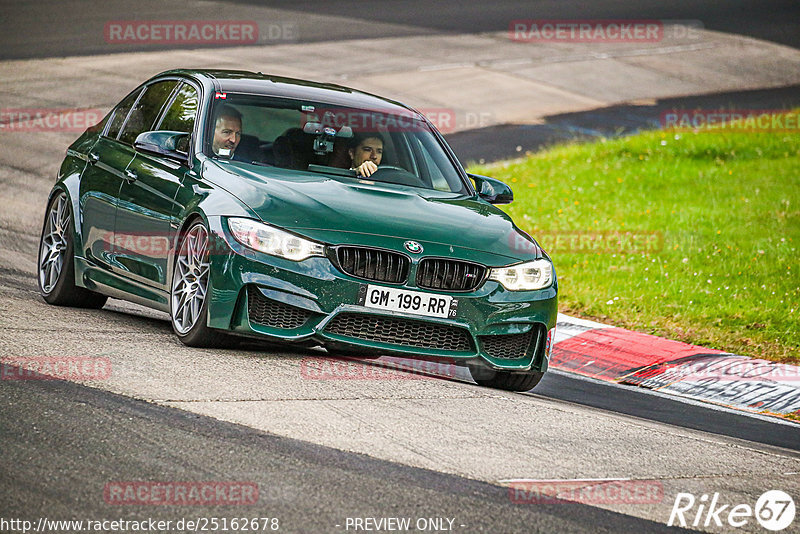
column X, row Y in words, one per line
column 491, row 378
column 55, row 272
column 188, row 291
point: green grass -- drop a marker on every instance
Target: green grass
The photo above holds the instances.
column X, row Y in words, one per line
column 724, row 273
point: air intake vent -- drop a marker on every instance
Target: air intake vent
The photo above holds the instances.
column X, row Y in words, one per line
column 373, row 264
column 404, row 332
column 272, row 313
column 449, row 275
column 509, row 346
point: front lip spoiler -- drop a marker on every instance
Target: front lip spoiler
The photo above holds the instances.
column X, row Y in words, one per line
column 319, row 329
column 460, row 357
column 386, row 313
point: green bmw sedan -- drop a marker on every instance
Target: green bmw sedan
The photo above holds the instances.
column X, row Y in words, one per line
column 287, row 210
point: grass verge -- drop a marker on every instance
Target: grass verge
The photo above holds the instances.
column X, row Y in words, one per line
column 686, row 235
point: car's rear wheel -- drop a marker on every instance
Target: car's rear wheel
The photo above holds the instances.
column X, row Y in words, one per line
column 188, row 296
column 492, row 378
column 56, row 266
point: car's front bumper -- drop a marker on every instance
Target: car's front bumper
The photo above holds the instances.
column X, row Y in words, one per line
column 318, row 299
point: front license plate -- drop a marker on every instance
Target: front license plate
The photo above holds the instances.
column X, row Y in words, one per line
column 402, row 300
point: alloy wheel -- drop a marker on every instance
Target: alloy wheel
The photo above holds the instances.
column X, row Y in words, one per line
column 53, row 248
column 190, row 280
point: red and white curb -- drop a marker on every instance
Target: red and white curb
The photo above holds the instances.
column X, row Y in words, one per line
column 621, row 356
column 617, row 355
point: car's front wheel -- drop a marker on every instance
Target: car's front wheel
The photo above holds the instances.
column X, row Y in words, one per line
column 492, row 378
column 56, row 266
column 188, row 296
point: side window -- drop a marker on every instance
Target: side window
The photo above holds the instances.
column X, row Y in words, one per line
column 181, row 113
column 120, row 113
column 434, row 174
column 144, row 113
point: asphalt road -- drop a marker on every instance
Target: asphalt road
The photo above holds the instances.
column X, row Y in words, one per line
column 776, row 20
column 47, row 28
column 672, row 411
column 324, row 450
column 504, row 141
column 321, row 451
column 62, row 443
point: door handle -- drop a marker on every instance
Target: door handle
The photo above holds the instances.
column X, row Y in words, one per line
column 130, row 175
column 94, row 157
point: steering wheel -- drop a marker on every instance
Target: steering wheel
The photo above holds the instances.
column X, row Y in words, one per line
column 395, row 175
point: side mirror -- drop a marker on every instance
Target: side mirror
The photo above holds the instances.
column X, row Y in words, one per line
column 492, row 190
column 172, row 145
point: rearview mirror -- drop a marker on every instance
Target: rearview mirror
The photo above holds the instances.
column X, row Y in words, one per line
column 172, row 145
column 492, row 190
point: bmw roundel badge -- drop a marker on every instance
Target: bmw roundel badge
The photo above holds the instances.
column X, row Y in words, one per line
column 413, row 247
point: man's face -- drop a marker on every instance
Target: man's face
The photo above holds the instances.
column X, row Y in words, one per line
column 227, row 134
column 370, row 149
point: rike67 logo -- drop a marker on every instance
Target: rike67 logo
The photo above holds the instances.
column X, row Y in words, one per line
column 774, row 510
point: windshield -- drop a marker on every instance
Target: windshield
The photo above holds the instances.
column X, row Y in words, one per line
column 314, row 137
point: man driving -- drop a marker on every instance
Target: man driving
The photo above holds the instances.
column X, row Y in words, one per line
column 366, row 152
column 227, row 132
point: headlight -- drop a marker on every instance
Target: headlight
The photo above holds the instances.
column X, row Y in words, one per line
column 274, row 241
column 536, row 274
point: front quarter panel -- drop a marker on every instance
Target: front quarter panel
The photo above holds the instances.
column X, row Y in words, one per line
column 69, row 178
column 200, row 197
column 203, row 189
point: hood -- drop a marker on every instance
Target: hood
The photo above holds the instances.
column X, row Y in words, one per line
column 327, row 208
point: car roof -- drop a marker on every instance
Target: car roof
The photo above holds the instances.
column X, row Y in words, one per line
column 240, row 81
